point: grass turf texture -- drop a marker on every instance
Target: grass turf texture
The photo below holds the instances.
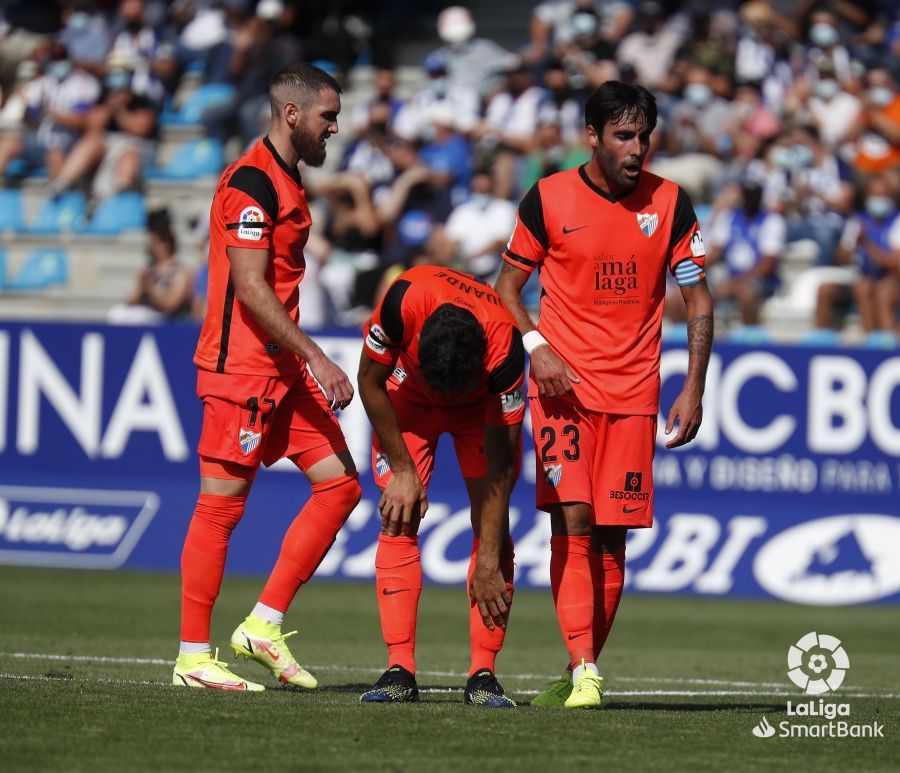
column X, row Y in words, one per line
column 80, row 712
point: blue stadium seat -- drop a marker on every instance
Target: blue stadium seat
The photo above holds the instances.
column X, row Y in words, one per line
column 44, row 267
column 195, row 158
column 122, row 212
column 749, row 335
column 12, row 210
column 2, row 269
column 58, row 215
column 201, row 98
column 825, row 339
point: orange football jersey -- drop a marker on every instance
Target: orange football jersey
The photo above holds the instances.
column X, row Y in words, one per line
column 602, row 263
column 259, row 204
column 392, row 337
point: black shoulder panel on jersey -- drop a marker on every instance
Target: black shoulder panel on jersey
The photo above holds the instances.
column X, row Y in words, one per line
column 257, row 185
column 531, row 213
column 684, row 218
column 502, row 378
column 392, row 310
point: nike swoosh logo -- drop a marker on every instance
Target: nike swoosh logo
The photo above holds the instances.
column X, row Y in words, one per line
column 629, row 510
column 249, row 646
column 575, row 636
column 387, row 592
column 572, row 230
column 219, row 685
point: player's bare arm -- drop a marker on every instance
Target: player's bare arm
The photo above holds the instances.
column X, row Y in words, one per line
column 687, row 410
column 489, row 589
column 248, row 272
column 552, row 375
column 403, row 501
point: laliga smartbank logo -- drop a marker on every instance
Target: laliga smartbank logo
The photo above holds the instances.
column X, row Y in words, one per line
column 817, row 664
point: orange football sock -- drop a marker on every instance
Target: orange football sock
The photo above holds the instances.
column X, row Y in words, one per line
column 398, row 583
column 573, row 594
column 309, row 537
column 484, row 644
column 608, row 571
column 203, row 561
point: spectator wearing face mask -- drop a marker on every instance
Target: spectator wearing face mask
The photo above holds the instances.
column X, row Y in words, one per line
column 475, row 231
column 56, row 105
column 134, row 40
column 696, row 136
column 119, row 140
column 473, row 63
column 877, row 128
column 826, row 47
column 821, row 190
column 86, row 35
column 748, row 241
column 871, row 244
column 833, row 109
column 412, row 122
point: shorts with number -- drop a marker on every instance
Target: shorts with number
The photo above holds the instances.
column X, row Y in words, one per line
column 421, row 425
column 250, row 420
column 602, row 459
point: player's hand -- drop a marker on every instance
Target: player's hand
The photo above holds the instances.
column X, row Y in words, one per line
column 402, row 501
column 332, row 381
column 490, row 591
column 687, row 412
column 553, row 377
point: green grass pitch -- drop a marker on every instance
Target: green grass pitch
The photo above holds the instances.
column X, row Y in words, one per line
column 85, row 669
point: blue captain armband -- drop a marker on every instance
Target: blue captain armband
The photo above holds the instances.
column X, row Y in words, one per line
column 688, row 273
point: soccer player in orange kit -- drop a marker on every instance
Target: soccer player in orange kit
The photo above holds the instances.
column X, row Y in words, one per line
column 603, row 236
column 268, row 390
column 441, row 354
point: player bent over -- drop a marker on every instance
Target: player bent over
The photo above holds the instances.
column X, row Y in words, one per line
column 268, row 391
column 441, row 354
column 603, row 235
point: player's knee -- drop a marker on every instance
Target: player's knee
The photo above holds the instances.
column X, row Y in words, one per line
column 221, row 513
column 608, row 539
column 341, row 494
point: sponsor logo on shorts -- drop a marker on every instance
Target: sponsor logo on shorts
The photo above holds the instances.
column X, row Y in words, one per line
column 400, row 374
column 631, row 489
column 510, row 402
column 552, row 474
column 251, row 221
column 647, row 222
column 382, row 464
column 249, row 440
column 698, row 249
column 272, row 347
column 377, row 339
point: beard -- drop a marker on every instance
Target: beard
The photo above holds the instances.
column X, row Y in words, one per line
column 309, row 147
column 615, row 174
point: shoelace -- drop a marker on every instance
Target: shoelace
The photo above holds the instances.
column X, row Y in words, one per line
column 220, row 663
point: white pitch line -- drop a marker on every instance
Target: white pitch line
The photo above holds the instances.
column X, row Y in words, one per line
column 462, row 675
column 451, row 690
column 457, row 674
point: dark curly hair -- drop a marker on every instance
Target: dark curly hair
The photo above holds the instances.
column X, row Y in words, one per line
column 451, row 351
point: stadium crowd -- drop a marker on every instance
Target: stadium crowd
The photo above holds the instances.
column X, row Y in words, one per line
column 781, row 120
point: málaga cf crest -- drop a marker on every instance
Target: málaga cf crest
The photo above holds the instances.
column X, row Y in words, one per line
column 647, row 222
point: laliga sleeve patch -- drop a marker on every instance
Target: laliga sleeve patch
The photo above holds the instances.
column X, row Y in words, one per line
column 251, row 224
column 377, row 340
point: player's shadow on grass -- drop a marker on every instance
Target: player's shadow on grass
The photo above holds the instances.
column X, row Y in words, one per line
column 428, row 693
